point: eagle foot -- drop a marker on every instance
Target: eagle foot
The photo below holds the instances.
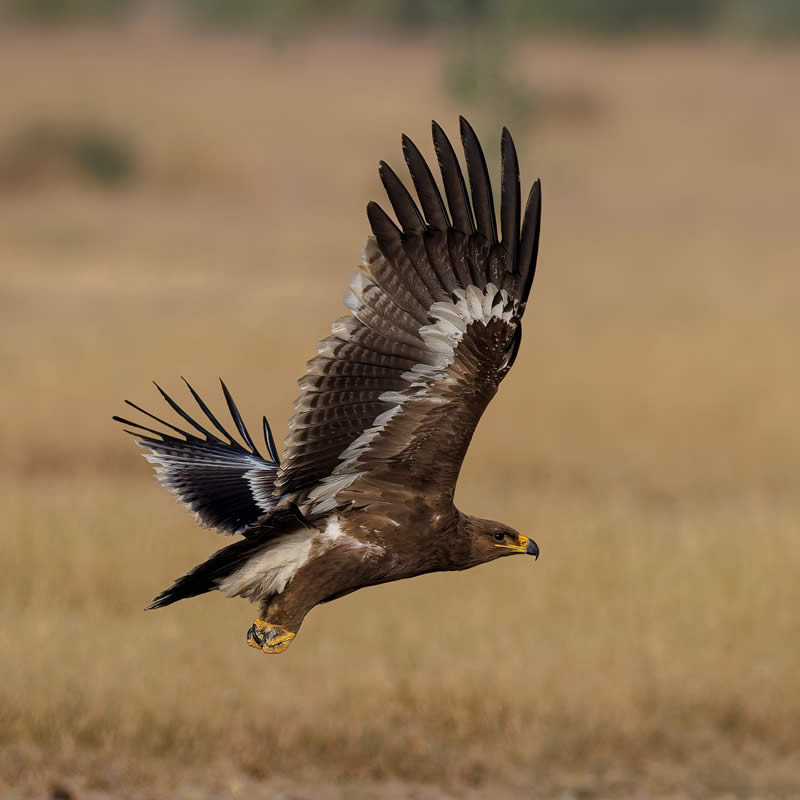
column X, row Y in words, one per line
column 269, row 638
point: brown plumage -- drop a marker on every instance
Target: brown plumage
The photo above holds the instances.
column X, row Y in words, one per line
column 386, row 412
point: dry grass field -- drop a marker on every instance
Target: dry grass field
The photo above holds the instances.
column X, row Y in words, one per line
column 648, row 437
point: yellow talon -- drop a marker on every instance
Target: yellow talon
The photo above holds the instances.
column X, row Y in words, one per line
column 269, row 638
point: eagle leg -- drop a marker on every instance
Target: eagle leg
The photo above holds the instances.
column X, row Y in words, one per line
column 269, row 638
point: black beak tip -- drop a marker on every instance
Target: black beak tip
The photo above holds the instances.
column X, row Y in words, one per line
column 532, row 549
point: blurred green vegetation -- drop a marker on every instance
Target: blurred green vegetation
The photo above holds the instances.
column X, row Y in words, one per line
column 478, row 73
column 49, row 151
column 61, row 11
column 277, row 18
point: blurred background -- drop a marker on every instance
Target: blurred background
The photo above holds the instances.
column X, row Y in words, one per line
column 182, row 192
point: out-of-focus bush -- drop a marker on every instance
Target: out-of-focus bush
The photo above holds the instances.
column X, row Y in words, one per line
column 583, row 16
column 54, row 152
column 277, row 17
column 622, row 16
column 482, row 78
column 775, row 19
column 60, row 11
column 233, row 13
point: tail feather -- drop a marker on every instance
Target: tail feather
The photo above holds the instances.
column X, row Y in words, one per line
column 227, row 485
column 206, row 577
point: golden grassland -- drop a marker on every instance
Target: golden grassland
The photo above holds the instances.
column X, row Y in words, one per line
column 648, row 437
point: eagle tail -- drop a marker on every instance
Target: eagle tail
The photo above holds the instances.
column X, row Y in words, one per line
column 207, row 576
column 227, row 485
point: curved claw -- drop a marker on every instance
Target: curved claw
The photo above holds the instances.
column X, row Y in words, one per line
column 269, row 638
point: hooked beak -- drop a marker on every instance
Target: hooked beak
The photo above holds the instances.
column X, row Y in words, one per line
column 526, row 545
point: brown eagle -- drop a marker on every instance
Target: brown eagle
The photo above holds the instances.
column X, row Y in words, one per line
column 386, row 412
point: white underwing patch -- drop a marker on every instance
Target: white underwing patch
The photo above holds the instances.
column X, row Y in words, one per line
column 270, row 571
column 273, row 569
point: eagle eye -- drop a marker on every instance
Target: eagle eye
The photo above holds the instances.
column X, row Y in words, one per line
column 499, row 537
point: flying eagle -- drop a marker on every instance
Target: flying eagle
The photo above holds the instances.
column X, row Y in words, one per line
column 386, row 412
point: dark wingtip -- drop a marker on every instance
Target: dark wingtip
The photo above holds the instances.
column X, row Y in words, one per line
column 270, row 442
column 207, row 411
column 178, row 410
column 529, row 245
column 238, row 419
column 453, row 178
column 480, row 185
column 381, row 223
column 430, row 198
column 465, row 129
column 163, row 422
column 405, row 209
column 509, row 197
column 138, row 433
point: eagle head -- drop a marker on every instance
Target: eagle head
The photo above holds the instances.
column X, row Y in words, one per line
column 490, row 540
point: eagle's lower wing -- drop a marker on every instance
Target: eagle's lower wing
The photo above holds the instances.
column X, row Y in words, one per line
column 227, row 485
column 395, row 393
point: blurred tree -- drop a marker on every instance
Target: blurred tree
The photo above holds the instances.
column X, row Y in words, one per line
column 603, row 17
column 59, row 11
column 777, row 19
column 479, row 75
column 102, row 156
column 625, row 16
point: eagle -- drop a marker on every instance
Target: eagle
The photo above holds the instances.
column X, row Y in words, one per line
column 386, row 412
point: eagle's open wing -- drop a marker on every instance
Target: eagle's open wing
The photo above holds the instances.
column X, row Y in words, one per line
column 396, row 391
column 226, row 484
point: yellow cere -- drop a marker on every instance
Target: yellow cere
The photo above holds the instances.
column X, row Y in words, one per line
column 521, row 547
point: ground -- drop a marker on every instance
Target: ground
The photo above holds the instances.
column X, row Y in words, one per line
column 647, row 437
